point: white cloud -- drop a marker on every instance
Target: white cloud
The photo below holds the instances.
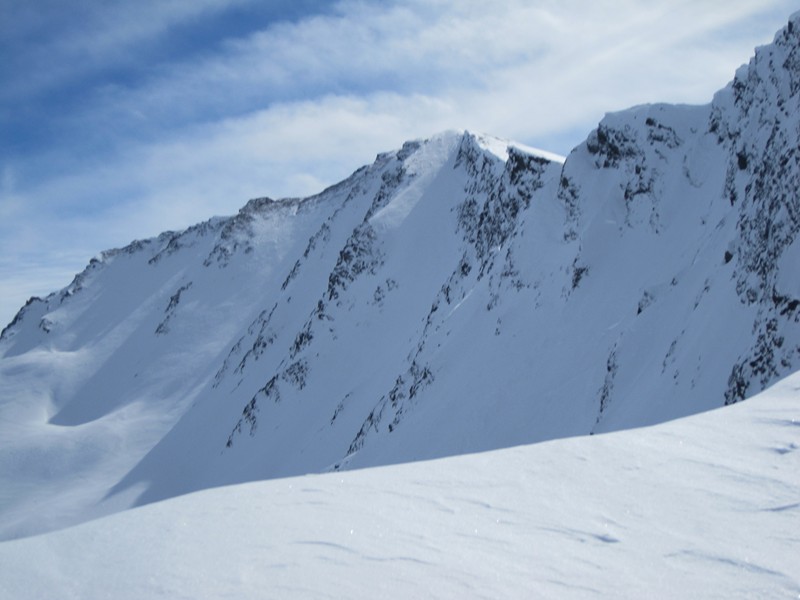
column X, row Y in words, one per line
column 569, row 58
column 58, row 42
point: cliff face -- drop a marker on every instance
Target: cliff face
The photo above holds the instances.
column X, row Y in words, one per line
column 458, row 295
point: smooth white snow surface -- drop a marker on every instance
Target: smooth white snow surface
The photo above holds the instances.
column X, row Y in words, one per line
column 707, row 506
column 499, row 147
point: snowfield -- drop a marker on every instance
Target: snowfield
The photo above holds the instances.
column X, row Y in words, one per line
column 704, row 507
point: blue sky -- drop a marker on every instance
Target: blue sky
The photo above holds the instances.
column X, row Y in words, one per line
column 119, row 120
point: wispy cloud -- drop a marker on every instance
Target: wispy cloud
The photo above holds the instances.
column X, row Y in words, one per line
column 131, row 134
column 56, row 43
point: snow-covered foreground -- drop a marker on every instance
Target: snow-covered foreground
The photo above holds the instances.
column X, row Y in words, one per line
column 707, row 506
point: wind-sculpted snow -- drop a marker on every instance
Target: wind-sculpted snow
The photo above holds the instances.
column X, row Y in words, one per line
column 458, row 295
column 703, row 507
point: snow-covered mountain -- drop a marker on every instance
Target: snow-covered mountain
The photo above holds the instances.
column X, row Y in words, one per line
column 461, row 294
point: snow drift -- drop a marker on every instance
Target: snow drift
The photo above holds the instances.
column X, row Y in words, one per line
column 703, row 507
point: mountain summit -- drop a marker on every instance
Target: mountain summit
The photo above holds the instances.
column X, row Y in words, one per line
column 458, row 295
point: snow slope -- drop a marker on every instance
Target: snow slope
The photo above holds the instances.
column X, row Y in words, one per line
column 703, row 507
column 458, row 295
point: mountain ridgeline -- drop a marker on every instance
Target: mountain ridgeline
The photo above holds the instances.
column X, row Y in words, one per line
column 458, row 295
